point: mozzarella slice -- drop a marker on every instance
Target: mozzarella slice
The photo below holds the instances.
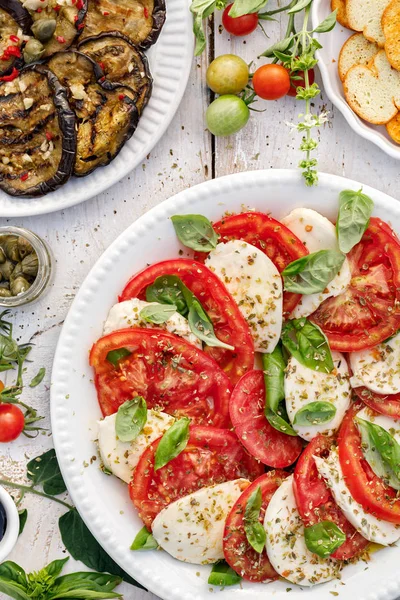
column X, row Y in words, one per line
column 127, row 314
column 317, row 233
column 256, row 285
column 191, row 529
column 303, row 386
column 122, row 457
column 370, row 527
column 286, row 547
column 378, row 369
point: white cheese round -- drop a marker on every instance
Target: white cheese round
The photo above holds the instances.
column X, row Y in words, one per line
column 378, row 369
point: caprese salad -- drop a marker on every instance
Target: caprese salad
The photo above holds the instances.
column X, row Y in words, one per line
column 251, row 393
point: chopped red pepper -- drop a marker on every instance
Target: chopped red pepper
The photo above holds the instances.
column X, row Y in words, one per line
column 24, row 176
column 14, row 38
column 60, row 39
column 146, row 12
column 49, row 135
column 13, row 75
column 121, row 96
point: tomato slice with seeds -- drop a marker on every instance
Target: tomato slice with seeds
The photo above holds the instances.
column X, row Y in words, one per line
column 366, row 488
column 315, row 502
column 264, row 442
column 270, row 236
column 239, row 554
column 368, row 312
column 169, row 372
column 229, row 324
column 388, row 405
column 211, row 456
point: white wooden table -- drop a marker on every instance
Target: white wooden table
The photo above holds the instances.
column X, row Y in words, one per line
column 185, row 156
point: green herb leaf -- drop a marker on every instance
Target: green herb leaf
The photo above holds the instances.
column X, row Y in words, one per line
column 355, row 210
column 280, row 46
column 144, row 541
column 55, row 567
column 84, row 585
column 245, row 7
column 44, row 470
column 23, row 516
column 168, row 289
column 172, row 443
column 315, row 413
column 299, row 6
column 324, row 538
column 307, row 343
column 13, row 590
column 195, row 231
column 223, row 575
column 10, row 571
column 114, row 356
column 254, row 530
column 201, row 326
column 157, row 313
column 38, row 378
column 327, row 24
column 381, row 451
column 274, row 376
column 131, row 418
column 311, row 274
column 8, row 349
column 201, row 9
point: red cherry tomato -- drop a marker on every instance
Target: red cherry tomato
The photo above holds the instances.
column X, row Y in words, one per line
column 239, row 25
column 295, row 83
column 271, row 82
column 12, row 422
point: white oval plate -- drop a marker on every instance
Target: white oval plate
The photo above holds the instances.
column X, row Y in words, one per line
column 328, row 56
column 170, row 61
column 103, row 501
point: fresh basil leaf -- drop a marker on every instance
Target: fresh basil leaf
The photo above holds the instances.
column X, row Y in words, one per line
column 315, row 413
column 44, row 470
column 131, row 418
column 8, row 349
column 144, row 541
column 222, row 575
column 114, row 356
column 54, row 568
column 311, row 274
column 86, row 580
column 201, row 9
column 307, row 343
column 10, row 571
column 299, row 6
column 355, row 210
column 280, row 422
column 82, row 546
column 254, row 530
column 323, row 538
column 172, row 443
column 13, row 590
column 274, row 376
column 23, row 516
column 84, row 594
column 168, row 289
column 195, row 231
column 38, row 378
column 201, row 326
column 253, row 506
column 327, row 24
column 381, row 451
column 245, row 7
column 157, row 313
column 280, row 46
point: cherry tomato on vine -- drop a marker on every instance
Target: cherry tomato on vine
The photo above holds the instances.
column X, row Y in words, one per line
column 227, row 115
column 227, row 74
column 239, row 25
column 271, row 82
column 12, row 422
column 295, row 83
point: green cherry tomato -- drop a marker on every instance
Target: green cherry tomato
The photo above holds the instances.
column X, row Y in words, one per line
column 227, row 115
column 227, row 74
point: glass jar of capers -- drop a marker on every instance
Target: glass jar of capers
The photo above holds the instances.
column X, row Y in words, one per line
column 25, row 266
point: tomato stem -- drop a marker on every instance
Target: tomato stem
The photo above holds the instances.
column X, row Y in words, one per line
column 30, row 490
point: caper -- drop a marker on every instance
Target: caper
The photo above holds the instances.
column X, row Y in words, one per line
column 2, row 256
column 33, row 51
column 44, row 29
column 30, row 265
column 6, row 269
column 5, row 293
column 17, row 272
column 10, row 248
column 24, row 247
column 19, row 286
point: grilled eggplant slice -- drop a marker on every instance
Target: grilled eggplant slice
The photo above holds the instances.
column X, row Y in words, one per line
column 140, row 20
column 14, row 19
column 37, row 133
column 121, row 62
column 106, row 112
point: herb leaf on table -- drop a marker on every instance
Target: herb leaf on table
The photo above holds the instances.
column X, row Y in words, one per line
column 45, row 470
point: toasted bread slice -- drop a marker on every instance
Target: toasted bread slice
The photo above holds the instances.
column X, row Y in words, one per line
column 356, row 51
column 391, row 30
column 373, row 91
column 366, row 16
column 393, row 128
column 341, row 15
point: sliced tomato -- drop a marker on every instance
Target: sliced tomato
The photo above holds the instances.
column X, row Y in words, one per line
column 239, row 554
column 366, row 488
column 368, row 312
column 229, row 324
column 211, row 456
column 270, row 236
column 246, row 408
column 315, row 502
column 169, row 372
column 385, row 405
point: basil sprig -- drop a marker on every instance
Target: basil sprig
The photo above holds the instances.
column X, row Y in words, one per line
column 114, row 356
column 254, row 530
column 381, row 451
column 157, row 313
column 355, row 210
column 144, row 541
column 307, row 343
column 131, row 418
column 311, row 274
column 274, row 376
column 195, row 232
column 315, row 413
column 324, row 538
column 169, row 289
column 172, row 443
column 223, row 575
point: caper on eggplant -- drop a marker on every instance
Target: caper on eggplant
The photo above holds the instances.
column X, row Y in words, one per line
column 44, row 29
column 33, row 51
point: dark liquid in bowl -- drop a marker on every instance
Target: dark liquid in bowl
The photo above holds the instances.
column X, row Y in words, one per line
column 3, row 521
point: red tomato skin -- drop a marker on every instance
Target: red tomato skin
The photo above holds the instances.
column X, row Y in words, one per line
column 264, row 442
column 315, row 502
column 271, row 82
column 385, row 405
column 270, row 236
column 151, row 372
column 366, row 488
column 239, row 26
column 211, row 456
column 295, row 83
column 229, row 323
column 12, row 422
column 239, row 555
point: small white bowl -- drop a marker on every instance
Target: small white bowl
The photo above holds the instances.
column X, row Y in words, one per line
column 12, row 527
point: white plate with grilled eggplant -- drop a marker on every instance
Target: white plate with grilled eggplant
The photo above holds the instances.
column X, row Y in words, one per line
column 87, row 88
